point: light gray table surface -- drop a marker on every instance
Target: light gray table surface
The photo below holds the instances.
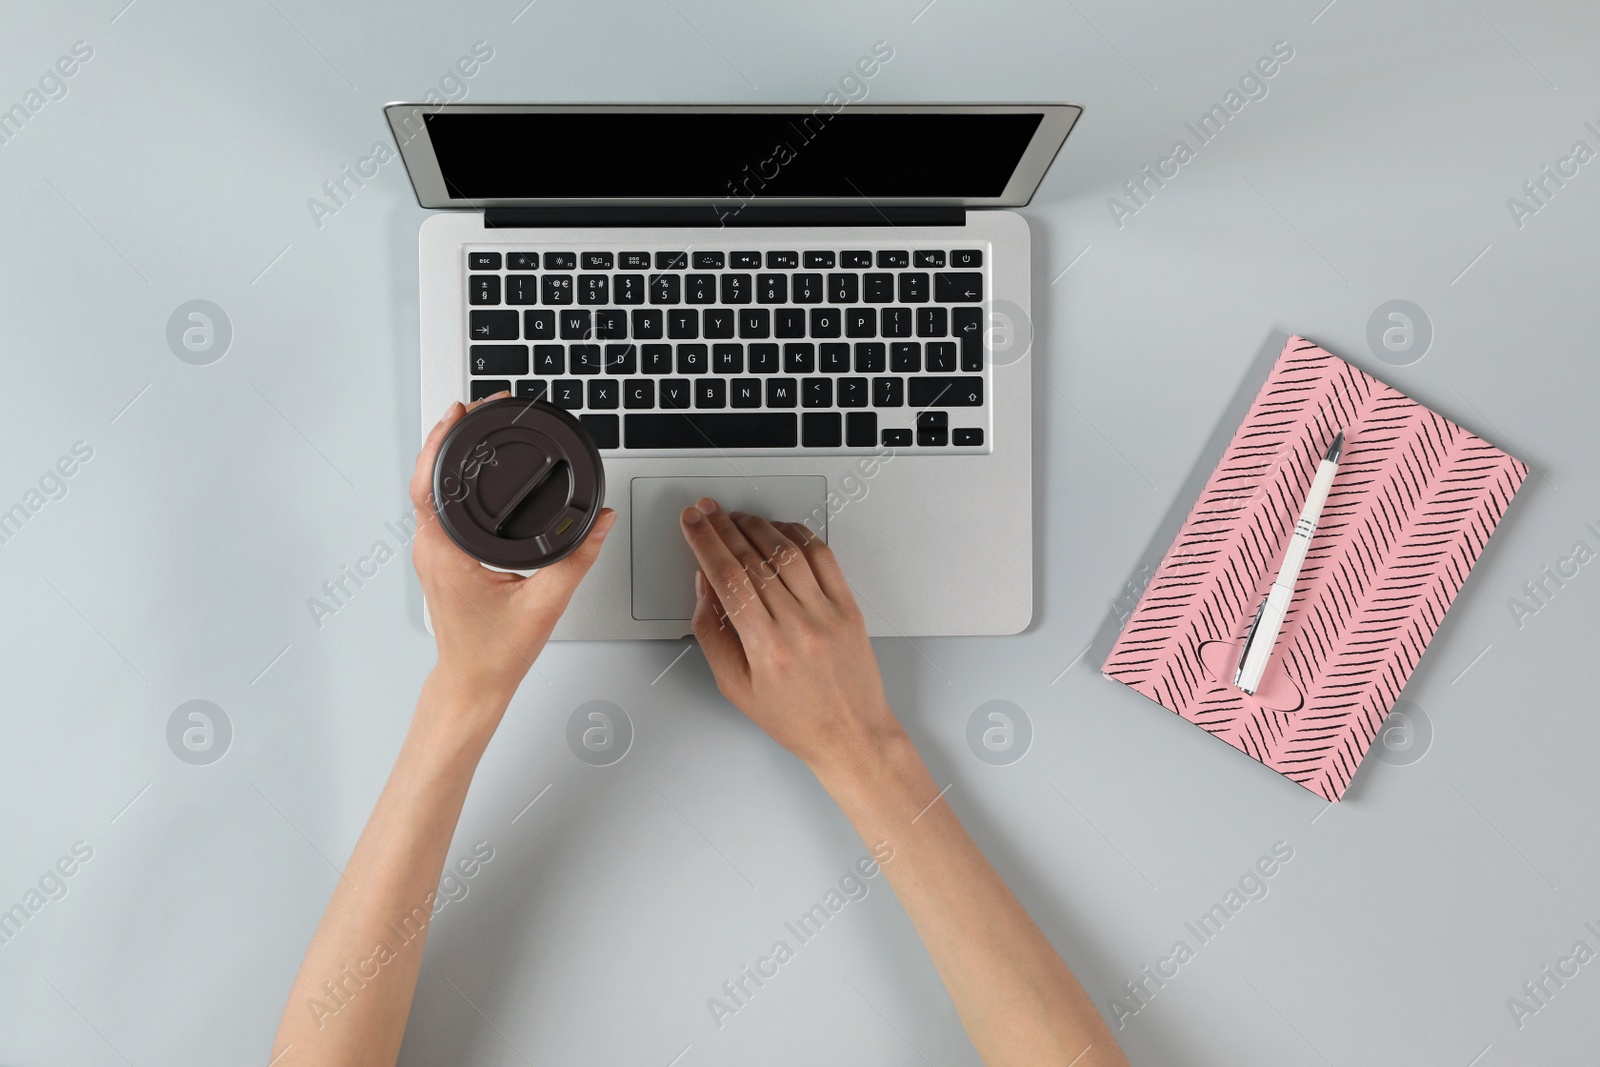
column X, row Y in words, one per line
column 218, row 498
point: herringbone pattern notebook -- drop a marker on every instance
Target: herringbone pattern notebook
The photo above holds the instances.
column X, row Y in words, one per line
column 1413, row 505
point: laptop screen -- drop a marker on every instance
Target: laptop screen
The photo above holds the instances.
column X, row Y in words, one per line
column 465, row 155
column 743, row 156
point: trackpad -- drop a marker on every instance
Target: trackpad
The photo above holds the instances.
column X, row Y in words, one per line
column 663, row 566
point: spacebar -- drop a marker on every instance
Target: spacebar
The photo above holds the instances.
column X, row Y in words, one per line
column 694, row 429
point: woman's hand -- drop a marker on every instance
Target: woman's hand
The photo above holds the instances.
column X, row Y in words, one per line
column 785, row 639
column 490, row 626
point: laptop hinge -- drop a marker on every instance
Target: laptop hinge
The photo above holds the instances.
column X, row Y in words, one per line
column 507, row 218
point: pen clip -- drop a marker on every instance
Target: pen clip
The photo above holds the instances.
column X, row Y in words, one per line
column 1250, row 638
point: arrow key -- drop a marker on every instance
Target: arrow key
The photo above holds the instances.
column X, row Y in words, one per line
column 958, row 287
column 493, row 326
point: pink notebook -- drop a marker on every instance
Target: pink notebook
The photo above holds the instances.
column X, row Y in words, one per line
column 1414, row 502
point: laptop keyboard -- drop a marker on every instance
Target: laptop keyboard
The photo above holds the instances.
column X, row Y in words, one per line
column 767, row 352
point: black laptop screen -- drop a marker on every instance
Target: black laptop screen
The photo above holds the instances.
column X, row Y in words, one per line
column 728, row 155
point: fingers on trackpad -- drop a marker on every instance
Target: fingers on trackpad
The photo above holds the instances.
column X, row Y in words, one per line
column 663, row 565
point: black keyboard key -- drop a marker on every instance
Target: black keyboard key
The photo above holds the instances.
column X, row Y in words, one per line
column 853, row 392
column 808, row 288
column 893, row 259
column 950, row 287
column 946, row 392
column 639, row 393
column 666, row 289
column 708, row 260
column 973, row 436
column 781, row 392
column 693, row 359
column 896, row 438
column 498, row 359
column 789, row 322
column 522, row 288
column 879, row 288
column 745, row 260
column 941, row 356
column 729, row 429
column 493, row 326
column 783, row 260
column 861, row 429
column 633, row 261
column 755, row 322
column 610, row 324
column 576, row 326
column 869, row 357
column 597, row 260
column 913, row 287
column 897, row 322
column 683, row 323
column 928, row 257
column 629, row 289
column 537, row 325
column 646, row 324
column 717, row 322
column 594, row 289
column 820, row 429
column 844, row 288
column 966, row 257
column 700, row 289
column 533, row 389
column 672, row 261
column 855, row 259
column 710, row 393
column 549, row 359
column 555, row 288
column 561, row 261
column 586, row 359
column 483, row 388
column 799, row 358
column 933, row 322
column 622, row 359
column 819, row 260
column 763, row 359
column 772, row 288
column 967, row 324
column 933, row 429
column 727, row 359
column 675, row 393
column 522, row 261
column 604, row 393
column 603, row 428
column 736, row 288
column 483, row 260
column 905, row 357
column 833, row 357
column 483, row 289
column 655, row 359
column 888, row 392
column 566, row 393
column 816, row 393
column 745, row 392
column 825, row 322
column 861, row 322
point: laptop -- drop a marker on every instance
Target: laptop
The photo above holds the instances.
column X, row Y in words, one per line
column 805, row 312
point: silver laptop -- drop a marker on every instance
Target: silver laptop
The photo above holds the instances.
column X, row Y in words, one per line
column 788, row 308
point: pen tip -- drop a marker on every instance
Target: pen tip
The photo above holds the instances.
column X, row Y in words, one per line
column 1335, row 449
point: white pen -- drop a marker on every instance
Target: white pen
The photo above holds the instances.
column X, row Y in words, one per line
column 1269, row 618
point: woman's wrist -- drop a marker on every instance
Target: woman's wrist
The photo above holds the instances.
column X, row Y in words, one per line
column 458, row 711
column 859, row 775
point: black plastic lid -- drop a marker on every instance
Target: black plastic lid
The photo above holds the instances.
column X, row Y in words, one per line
column 518, row 483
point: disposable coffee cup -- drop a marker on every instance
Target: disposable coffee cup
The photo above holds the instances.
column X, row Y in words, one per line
column 518, row 484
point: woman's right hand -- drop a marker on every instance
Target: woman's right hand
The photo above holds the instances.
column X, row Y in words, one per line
column 785, row 639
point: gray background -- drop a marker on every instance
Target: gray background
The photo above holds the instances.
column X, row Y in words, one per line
column 219, row 498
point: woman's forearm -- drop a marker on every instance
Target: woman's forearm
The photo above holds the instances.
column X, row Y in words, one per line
column 1017, row 999
column 351, row 997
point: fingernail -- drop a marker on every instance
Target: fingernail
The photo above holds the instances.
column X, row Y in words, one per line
column 603, row 525
column 707, row 505
column 691, row 517
column 699, row 586
column 735, row 515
